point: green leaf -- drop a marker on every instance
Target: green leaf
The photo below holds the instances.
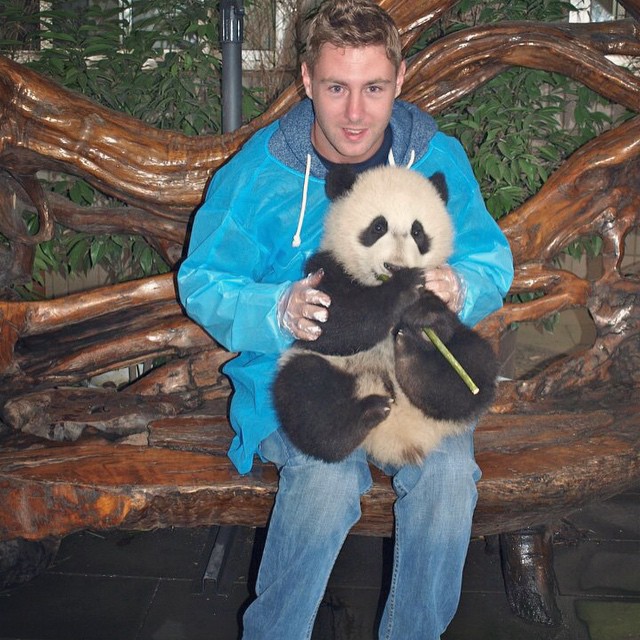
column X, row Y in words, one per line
column 78, row 256
column 56, row 35
column 97, row 251
column 146, row 260
column 99, row 48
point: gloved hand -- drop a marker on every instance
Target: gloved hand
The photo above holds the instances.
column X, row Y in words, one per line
column 302, row 307
column 447, row 285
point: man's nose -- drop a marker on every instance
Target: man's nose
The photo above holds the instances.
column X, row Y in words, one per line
column 355, row 107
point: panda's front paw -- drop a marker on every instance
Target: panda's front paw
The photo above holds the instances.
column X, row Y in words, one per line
column 431, row 312
column 409, row 279
column 408, row 286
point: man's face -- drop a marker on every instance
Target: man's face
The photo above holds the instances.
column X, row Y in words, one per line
column 353, row 90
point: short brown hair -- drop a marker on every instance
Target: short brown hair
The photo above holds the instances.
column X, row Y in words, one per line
column 352, row 23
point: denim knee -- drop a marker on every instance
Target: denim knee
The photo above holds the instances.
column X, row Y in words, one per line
column 445, row 484
column 316, row 493
column 452, row 461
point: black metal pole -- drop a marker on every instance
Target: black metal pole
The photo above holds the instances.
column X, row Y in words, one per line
column 231, row 36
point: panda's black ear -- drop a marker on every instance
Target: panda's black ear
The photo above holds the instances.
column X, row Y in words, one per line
column 439, row 182
column 339, row 181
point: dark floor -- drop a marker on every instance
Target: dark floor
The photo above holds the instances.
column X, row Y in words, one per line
column 141, row 586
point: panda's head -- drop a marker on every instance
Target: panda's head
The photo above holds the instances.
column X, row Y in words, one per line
column 385, row 219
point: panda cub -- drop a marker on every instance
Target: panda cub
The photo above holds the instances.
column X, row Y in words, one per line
column 373, row 378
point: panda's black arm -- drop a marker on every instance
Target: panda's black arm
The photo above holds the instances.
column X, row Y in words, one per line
column 360, row 316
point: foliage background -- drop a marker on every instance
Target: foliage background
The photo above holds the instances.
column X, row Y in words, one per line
column 165, row 70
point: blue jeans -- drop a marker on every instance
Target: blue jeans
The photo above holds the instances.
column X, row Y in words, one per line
column 317, row 504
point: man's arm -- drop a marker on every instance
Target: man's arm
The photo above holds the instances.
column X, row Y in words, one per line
column 481, row 260
column 217, row 282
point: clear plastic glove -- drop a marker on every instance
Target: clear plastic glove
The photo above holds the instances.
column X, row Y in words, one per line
column 302, row 307
column 447, row 285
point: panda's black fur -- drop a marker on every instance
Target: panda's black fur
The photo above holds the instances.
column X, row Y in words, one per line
column 372, row 378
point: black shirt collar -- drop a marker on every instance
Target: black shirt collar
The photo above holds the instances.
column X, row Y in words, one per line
column 379, row 158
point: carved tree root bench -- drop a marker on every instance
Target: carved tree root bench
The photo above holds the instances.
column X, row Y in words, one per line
column 153, row 454
column 537, row 466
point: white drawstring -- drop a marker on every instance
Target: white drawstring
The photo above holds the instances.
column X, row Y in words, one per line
column 295, row 242
column 303, row 207
column 392, row 161
column 412, row 157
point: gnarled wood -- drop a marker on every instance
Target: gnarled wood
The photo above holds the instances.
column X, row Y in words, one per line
column 461, row 62
column 164, row 173
column 536, row 467
column 154, row 453
column 526, row 558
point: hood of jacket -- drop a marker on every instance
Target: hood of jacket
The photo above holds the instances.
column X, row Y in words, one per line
column 412, row 131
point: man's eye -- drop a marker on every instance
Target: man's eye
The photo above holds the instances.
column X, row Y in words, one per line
column 374, row 88
column 336, row 88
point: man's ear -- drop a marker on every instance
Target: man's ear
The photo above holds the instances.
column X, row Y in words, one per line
column 402, row 69
column 306, row 80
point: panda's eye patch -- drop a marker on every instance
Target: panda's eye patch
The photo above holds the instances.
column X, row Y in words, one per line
column 419, row 236
column 376, row 229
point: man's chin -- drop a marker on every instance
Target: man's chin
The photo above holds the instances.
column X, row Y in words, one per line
column 356, row 153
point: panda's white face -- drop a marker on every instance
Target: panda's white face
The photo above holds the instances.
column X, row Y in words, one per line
column 392, row 218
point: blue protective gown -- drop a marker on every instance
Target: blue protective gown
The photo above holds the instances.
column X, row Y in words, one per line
column 242, row 258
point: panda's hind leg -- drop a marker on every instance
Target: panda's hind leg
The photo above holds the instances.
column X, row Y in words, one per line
column 433, row 385
column 320, row 407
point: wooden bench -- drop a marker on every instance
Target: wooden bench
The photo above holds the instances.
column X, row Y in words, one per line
column 554, row 442
column 153, row 454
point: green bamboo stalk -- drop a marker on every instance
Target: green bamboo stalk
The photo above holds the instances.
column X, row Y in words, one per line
column 442, row 348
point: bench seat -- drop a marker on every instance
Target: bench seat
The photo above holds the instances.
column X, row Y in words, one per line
column 537, row 464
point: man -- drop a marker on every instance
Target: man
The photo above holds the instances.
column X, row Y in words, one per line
column 244, row 281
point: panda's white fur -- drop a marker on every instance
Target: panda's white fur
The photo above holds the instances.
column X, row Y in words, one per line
column 402, row 196
column 352, row 387
column 406, row 435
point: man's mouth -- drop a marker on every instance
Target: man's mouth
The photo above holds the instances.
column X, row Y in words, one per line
column 354, row 133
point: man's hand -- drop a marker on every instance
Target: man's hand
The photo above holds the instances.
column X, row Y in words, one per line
column 302, row 307
column 446, row 284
